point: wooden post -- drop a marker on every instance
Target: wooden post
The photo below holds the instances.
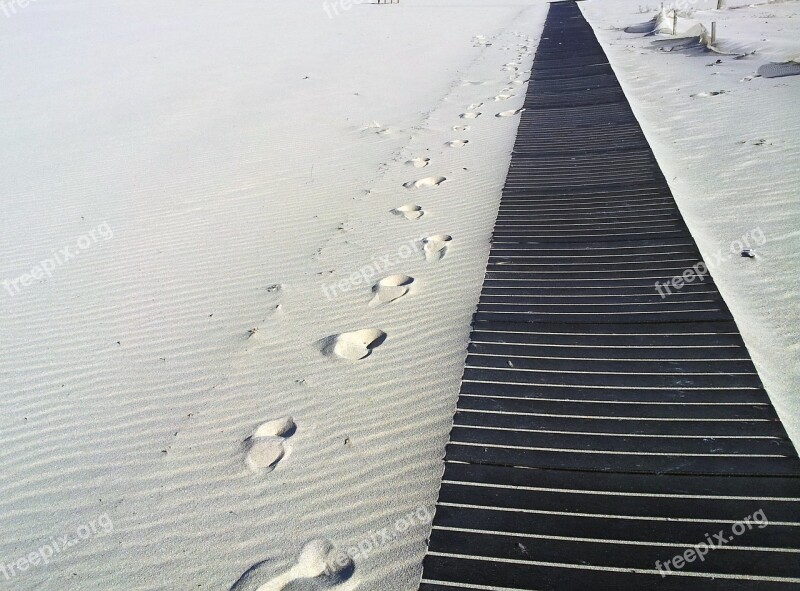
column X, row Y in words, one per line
column 713, row 32
column 674, row 21
column 719, row 4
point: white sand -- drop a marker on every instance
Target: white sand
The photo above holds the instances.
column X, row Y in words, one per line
column 731, row 160
column 216, row 167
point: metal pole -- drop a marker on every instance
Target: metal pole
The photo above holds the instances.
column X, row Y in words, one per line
column 674, row 22
column 713, row 32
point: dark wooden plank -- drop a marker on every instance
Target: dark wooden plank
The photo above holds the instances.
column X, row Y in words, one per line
column 634, row 425
column 647, row 444
column 598, row 351
column 732, row 395
column 712, row 513
column 610, row 380
column 714, row 411
column 615, row 527
column 741, row 367
column 764, row 563
column 601, row 461
column 679, row 512
column 706, row 486
column 577, row 578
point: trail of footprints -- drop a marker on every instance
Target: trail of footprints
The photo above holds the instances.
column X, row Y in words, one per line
column 320, row 565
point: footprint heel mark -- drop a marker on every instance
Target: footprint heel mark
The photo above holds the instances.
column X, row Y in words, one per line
column 435, row 247
column 352, row 345
column 418, row 162
column 510, row 113
column 320, row 565
column 266, row 446
column 430, row 181
column 390, row 288
column 410, row 212
column 457, row 143
column 470, row 115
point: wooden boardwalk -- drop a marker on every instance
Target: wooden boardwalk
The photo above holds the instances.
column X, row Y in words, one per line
column 606, row 437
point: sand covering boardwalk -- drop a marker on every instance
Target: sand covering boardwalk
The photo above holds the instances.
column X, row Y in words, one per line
column 606, row 437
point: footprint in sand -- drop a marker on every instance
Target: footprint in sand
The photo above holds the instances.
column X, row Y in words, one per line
column 390, row 289
column 430, row 181
column 470, row 115
column 435, row 247
column 510, row 113
column 504, row 96
column 410, row 212
column 320, row 566
column 708, row 94
column 418, row 162
column 266, row 446
column 352, row 345
column 474, row 106
column 461, row 128
column 457, row 143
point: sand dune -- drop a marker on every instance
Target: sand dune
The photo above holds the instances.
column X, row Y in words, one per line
column 246, row 159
